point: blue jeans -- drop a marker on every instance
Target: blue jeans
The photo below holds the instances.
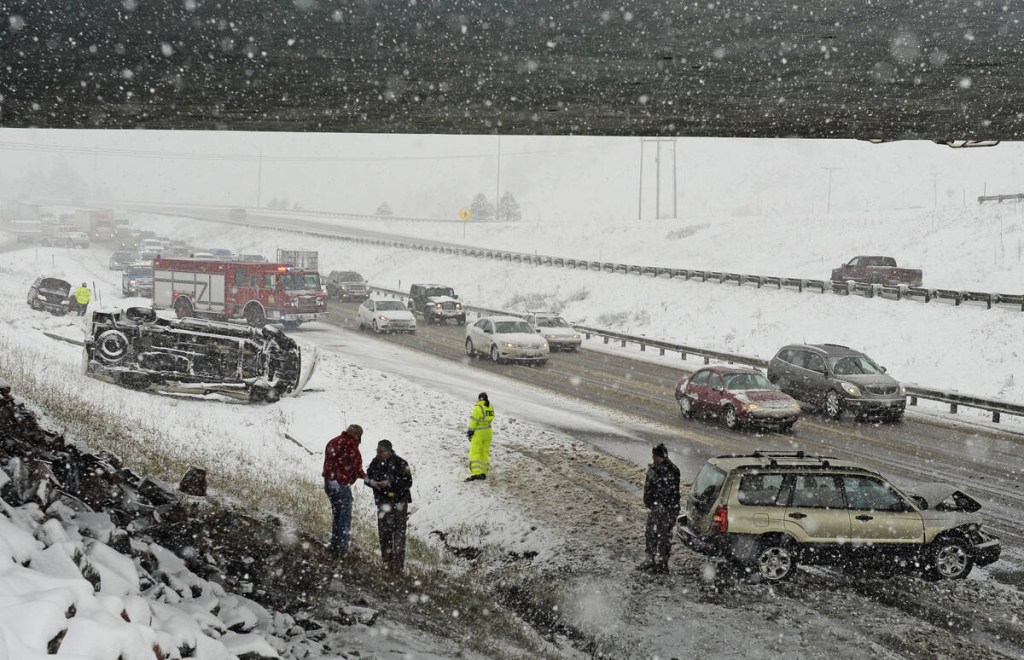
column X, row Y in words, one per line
column 341, row 505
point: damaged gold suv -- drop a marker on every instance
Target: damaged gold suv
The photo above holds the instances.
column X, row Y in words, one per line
column 770, row 511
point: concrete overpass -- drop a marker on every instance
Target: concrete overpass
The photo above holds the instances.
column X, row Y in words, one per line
column 923, row 69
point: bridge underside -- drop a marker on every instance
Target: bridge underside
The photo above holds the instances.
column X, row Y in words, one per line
column 930, row 69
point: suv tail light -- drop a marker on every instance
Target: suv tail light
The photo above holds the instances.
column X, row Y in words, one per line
column 720, row 519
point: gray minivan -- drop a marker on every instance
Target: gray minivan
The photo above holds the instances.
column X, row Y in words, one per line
column 837, row 379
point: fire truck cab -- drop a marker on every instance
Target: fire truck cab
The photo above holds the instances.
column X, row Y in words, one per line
column 260, row 293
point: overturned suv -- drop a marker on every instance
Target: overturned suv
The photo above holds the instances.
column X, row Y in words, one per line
column 772, row 510
column 137, row 349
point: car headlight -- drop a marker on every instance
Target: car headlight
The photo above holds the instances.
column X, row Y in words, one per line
column 850, row 389
column 576, row 337
column 752, row 406
column 903, row 390
column 458, row 305
column 63, row 302
column 509, row 344
column 382, row 317
column 437, row 305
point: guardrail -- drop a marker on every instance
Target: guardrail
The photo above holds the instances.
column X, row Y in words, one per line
column 802, row 285
column 997, row 407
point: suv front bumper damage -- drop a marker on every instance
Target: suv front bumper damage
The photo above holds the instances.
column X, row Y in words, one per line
column 137, row 349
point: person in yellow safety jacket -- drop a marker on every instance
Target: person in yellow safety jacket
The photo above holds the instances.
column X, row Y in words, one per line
column 479, row 435
column 82, row 297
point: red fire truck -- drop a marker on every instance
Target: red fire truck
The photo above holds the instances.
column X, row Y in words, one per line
column 258, row 292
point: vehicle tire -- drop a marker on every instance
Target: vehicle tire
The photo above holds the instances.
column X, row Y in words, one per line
column 787, row 427
column 35, row 304
column 361, row 325
column 183, row 307
column 775, row 560
column 470, row 351
column 833, row 405
column 495, row 355
column 112, row 346
column 255, row 317
column 376, row 328
column 949, row 558
column 686, row 407
column 732, row 421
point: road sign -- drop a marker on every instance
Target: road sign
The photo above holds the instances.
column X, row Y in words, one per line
column 465, row 214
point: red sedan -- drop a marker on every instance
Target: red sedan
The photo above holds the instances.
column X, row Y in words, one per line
column 739, row 396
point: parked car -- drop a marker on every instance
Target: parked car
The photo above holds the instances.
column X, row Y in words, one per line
column 770, row 511
column 506, row 338
column 386, row 316
column 237, row 214
column 739, row 396
column 222, row 254
column 78, row 239
column 837, row 379
column 559, row 334
column 876, row 270
column 345, row 285
column 436, row 303
column 50, row 294
column 137, row 280
column 120, row 259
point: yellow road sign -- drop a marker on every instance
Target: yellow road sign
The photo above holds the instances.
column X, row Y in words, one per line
column 465, row 214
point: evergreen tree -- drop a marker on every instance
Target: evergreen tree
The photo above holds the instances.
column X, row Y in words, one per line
column 384, row 210
column 483, row 211
column 508, row 209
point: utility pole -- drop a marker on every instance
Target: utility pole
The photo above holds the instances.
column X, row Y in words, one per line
column 828, row 200
column 497, row 185
column 657, row 177
column 259, row 182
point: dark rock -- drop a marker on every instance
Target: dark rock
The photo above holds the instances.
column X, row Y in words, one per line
column 194, row 482
column 110, row 458
column 157, row 492
column 173, row 513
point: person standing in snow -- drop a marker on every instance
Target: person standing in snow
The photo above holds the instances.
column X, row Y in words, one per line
column 391, row 479
column 661, row 496
column 82, row 297
column 343, row 464
column 479, row 435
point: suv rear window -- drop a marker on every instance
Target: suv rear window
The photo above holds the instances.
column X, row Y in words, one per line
column 760, row 490
column 709, row 480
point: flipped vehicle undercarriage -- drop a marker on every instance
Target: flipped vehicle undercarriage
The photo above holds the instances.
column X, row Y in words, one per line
column 137, row 349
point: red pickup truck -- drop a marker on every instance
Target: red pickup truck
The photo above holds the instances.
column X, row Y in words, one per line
column 876, row 270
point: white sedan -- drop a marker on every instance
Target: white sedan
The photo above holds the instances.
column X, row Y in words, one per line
column 386, row 316
column 506, row 338
column 556, row 330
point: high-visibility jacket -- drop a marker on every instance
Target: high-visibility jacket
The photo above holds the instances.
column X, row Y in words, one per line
column 83, row 295
column 481, row 417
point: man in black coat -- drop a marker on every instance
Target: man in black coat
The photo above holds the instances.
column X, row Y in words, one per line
column 390, row 478
column 661, row 496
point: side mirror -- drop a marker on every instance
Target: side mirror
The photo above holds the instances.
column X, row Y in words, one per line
column 883, row 369
column 537, row 330
column 919, row 501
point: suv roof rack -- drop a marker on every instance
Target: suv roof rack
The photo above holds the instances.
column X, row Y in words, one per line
column 800, row 455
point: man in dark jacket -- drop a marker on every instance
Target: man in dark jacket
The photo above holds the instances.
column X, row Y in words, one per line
column 343, row 464
column 661, row 496
column 390, row 478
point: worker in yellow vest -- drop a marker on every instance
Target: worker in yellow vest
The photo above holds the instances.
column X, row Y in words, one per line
column 479, row 435
column 82, row 297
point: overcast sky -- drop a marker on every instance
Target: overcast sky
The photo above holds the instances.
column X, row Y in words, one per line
column 553, row 178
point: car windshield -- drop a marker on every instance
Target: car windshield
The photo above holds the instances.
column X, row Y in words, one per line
column 746, row 381
column 349, row 277
column 139, row 271
column 438, row 291
column 852, row 365
column 551, row 322
column 511, row 327
column 392, row 305
column 300, row 281
column 53, row 284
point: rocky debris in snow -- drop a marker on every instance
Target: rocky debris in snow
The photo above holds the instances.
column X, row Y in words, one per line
column 101, row 563
column 194, row 482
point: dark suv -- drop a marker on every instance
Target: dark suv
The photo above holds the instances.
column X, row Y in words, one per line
column 345, row 285
column 436, row 303
column 837, row 379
